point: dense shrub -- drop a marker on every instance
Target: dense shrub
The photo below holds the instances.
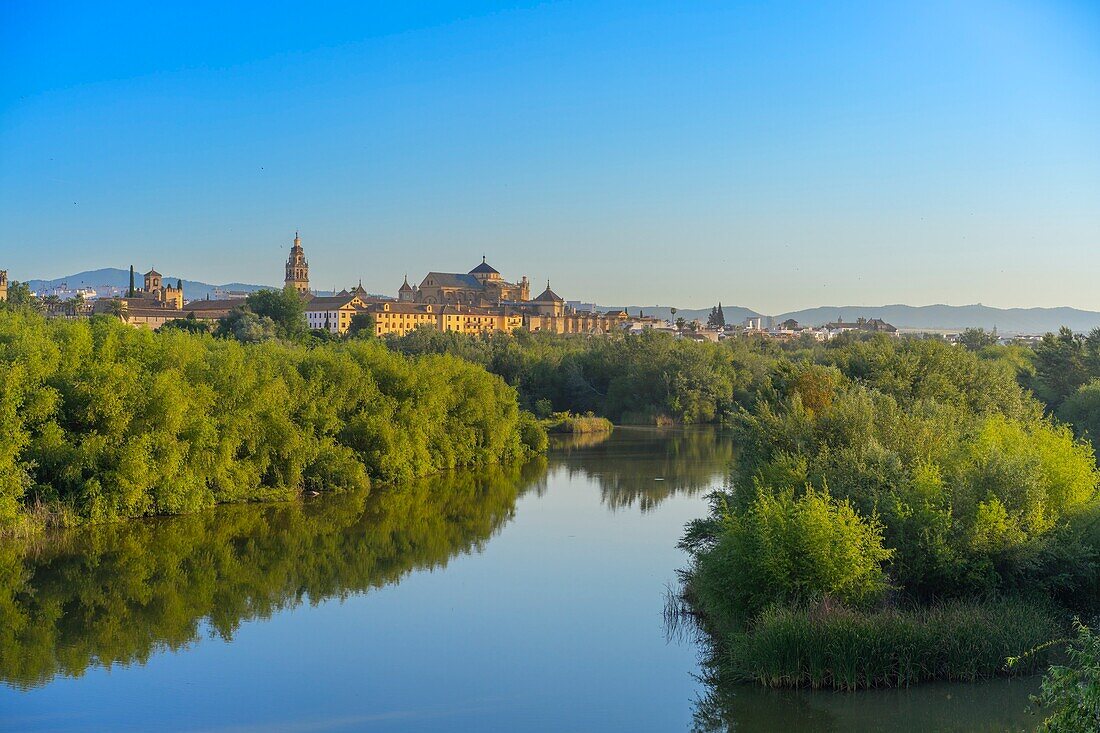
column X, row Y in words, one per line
column 975, row 494
column 101, row 420
column 789, row 550
column 1072, row 691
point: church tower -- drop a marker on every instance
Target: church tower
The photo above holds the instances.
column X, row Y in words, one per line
column 3, row 285
column 297, row 269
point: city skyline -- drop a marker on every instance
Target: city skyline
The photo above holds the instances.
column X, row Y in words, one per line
column 786, row 158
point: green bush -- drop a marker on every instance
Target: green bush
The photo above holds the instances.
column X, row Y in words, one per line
column 1072, row 690
column 789, row 549
column 828, row 646
column 100, row 420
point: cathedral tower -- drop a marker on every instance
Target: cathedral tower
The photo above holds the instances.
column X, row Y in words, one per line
column 297, row 269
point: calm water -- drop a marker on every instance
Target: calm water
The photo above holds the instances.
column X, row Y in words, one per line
column 519, row 599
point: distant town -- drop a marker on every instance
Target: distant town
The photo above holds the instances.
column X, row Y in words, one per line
column 474, row 302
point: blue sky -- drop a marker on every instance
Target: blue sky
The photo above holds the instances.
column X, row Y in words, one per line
column 772, row 155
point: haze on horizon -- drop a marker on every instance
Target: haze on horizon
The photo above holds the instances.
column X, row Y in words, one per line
column 777, row 156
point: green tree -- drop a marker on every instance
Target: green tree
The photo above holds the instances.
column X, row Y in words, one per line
column 361, row 326
column 284, row 308
column 976, row 339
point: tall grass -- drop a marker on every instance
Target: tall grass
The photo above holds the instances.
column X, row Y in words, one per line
column 566, row 422
column 829, row 646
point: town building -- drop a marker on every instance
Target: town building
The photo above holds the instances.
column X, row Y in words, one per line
column 333, row 313
column 297, row 268
column 3, row 285
column 482, row 285
column 152, row 306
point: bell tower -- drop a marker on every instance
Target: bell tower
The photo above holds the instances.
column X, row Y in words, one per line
column 297, row 269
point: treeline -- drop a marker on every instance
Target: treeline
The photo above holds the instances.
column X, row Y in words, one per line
column 145, row 587
column 99, row 420
column 901, row 510
column 647, row 378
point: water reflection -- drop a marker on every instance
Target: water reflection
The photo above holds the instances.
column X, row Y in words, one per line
column 645, row 466
column 117, row 594
column 995, row 706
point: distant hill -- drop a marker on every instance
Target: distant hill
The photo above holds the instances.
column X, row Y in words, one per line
column 114, row 277
column 931, row 317
column 955, row 317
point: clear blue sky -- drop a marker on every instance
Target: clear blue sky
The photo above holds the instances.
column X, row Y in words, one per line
column 774, row 155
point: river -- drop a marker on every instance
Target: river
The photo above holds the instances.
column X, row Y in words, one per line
column 512, row 599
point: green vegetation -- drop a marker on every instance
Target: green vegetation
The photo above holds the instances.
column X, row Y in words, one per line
column 907, row 486
column 99, row 420
column 1072, row 691
column 645, row 379
column 118, row 593
column 835, row 647
column 567, row 422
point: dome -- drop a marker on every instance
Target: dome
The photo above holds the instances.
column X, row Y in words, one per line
column 484, row 269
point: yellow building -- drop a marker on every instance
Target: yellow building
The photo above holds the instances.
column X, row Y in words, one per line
column 400, row 318
column 3, row 285
column 480, row 301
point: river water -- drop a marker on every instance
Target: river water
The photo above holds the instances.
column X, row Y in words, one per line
column 513, row 599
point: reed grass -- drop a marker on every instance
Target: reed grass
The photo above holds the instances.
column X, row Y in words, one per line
column 832, row 647
column 566, row 422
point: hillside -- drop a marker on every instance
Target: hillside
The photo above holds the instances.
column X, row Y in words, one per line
column 956, row 317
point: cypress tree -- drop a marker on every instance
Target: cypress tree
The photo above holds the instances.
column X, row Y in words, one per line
column 130, row 292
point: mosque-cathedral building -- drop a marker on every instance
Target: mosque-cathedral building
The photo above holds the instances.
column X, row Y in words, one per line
column 476, row 302
column 479, row 301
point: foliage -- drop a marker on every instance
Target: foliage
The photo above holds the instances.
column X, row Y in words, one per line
column 1082, row 410
column 976, row 339
column 20, row 297
column 1063, row 363
column 829, row 646
column 189, row 324
column 788, row 549
column 566, row 422
column 973, row 492
column 361, row 326
column 647, row 378
column 1072, row 691
column 285, row 308
column 99, row 420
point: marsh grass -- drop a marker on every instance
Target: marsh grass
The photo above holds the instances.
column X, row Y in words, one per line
column 832, row 647
column 566, row 422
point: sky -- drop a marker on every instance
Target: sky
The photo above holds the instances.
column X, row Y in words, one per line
column 775, row 155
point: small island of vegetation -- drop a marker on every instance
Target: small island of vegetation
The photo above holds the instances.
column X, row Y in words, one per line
column 100, row 420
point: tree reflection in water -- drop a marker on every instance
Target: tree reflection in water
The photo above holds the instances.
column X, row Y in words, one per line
column 119, row 593
column 645, row 466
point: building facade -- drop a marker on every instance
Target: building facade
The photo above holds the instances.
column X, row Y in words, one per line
column 297, row 268
column 3, row 285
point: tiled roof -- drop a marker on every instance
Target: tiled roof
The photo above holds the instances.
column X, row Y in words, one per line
column 484, row 269
column 549, row 295
column 453, row 280
column 214, row 305
column 330, row 302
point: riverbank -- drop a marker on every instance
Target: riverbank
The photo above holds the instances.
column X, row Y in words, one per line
column 102, row 421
